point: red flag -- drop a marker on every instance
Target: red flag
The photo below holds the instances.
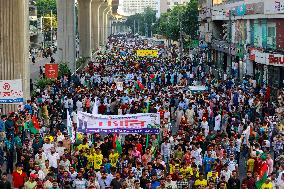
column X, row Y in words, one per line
column 114, row 138
column 35, row 122
column 140, row 85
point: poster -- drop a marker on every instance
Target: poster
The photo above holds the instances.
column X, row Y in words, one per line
column 11, row 91
column 152, row 53
column 147, row 123
column 51, row 71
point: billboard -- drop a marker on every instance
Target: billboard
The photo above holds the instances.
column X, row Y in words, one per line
column 11, row 91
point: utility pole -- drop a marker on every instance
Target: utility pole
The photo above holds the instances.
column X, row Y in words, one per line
column 51, row 27
column 230, row 41
column 134, row 28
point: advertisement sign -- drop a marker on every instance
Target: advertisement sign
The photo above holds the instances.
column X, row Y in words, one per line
column 267, row 58
column 11, row 91
column 274, row 7
column 51, row 71
column 147, row 123
column 153, row 53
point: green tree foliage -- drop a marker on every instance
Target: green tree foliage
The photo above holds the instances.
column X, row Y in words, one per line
column 168, row 24
column 45, row 6
column 144, row 22
column 63, row 69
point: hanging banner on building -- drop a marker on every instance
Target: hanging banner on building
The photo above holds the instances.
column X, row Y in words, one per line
column 152, row 53
column 146, row 123
column 274, row 7
column 51, row 71
column 11, row 91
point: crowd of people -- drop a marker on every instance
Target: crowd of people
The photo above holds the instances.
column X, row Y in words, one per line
column 227, row 134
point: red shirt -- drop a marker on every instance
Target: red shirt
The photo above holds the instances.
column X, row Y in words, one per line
column 19, row 180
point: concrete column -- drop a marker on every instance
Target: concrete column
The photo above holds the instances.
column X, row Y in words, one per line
column 103, row 25
column 84, row 27
column 14, row 44
column 96, row 4
column 66, row 36
column 107, row 25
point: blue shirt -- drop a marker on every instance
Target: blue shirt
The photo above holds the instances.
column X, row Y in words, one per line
column 208, row 166
column 2, row 126
column 155, row 184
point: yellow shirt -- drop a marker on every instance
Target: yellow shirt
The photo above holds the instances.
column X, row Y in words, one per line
column 113, row 159
column 267, row 186
column 185, row 171
column 83, row 147
column 200, row 183
column 90, row 159
column 250, row 164
column 98, row 160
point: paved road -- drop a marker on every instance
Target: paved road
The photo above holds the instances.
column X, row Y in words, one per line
column 34, row 68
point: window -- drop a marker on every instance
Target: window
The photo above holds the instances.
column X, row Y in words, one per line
column 271, row 35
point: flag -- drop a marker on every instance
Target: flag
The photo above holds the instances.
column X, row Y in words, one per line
column 116, row 144
column 263, row 173
column 139, row 85
column 153, row 77
column 148, row 106
column 95, row 108
column 69, row 124
column 32, row 125
column 35, row 122
column 147, row 140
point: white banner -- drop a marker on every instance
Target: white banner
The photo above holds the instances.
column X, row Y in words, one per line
column 11, row 91
column 130, row 123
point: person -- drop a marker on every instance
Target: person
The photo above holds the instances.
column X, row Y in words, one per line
column 31, row 183
column 5, row 183
column 80, row 182
column 267, row 184
column 116, row 182
column 162, row 184
column 234, row 182
column 137, row 184
column 19, row 176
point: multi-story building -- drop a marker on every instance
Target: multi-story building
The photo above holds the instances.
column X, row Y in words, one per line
column 165, row 5
column 131, row 7
column 246, row 37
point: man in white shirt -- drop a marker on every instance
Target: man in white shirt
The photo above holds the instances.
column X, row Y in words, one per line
column 53, row 158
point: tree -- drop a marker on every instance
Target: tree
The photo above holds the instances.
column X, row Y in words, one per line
column 47, row 24
column 142, row 21
column 183, row 17
column 46, row 6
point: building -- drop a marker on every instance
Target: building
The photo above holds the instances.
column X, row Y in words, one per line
column 172, row 3
column 245, row 38
column 165, row 5
column 131, row 7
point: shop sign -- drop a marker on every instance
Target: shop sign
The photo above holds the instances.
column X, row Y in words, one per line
column 276, row 59
column 266, row 58
column 273, row 7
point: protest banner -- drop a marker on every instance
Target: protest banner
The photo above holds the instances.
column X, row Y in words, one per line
column 147, row 123
column 51, row 71
column 152, row 53
column 11, row 91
